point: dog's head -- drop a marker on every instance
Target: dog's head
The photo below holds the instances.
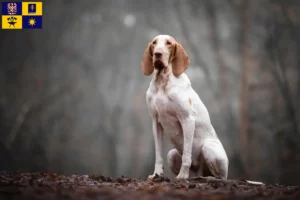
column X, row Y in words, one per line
column 164, row 52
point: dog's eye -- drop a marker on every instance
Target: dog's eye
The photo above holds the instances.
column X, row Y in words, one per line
column 154, row 42
column 168, row 43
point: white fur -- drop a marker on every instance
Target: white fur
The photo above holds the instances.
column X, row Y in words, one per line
column 178, row 112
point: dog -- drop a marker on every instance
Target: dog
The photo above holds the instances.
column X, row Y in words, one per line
column 178, row 112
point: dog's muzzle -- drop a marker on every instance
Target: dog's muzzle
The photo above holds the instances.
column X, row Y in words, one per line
column 159, row 65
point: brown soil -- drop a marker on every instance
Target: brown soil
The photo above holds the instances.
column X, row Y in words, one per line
column 53, row 186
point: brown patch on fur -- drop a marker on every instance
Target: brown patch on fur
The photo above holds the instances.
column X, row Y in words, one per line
column 190, row 101
column 166, row 83
column 147, row 65
column 172, row 52
column 181, row 60
column 158, row 75
column 162, row 78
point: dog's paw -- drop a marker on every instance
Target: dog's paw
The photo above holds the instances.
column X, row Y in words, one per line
column 182, row 176
column 155, row 175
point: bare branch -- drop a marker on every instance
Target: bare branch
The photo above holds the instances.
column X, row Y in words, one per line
column 17, row 125
column 34, row 106
column 244, row 84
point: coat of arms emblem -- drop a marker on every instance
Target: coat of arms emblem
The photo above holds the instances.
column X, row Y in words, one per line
column 12, row 8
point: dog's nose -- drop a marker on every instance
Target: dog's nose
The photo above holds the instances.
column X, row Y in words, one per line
column 158, row 54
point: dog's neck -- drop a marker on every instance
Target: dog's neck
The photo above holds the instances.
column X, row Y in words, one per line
column 161, row 77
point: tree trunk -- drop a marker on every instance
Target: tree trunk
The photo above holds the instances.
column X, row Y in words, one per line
column 244, row 83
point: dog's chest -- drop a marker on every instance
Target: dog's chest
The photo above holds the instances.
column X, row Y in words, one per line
column 164, row 108
column 161, row 104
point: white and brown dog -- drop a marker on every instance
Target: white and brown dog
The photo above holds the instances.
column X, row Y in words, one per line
column 178, row 112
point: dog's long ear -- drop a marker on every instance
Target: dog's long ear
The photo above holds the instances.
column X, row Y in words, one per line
column 180, row 61
column 147, row 64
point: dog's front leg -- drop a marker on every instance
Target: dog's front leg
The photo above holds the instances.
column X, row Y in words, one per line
column 158, row 139
column 188, row 127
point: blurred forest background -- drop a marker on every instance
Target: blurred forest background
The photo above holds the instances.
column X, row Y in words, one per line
column 72, row 95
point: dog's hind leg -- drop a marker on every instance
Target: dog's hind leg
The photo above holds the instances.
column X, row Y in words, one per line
column 215, row 159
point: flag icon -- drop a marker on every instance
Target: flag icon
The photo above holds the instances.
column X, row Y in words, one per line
column 11, row 8
column 22, row 15
column 31, row 8
column 32, row 22
column 11, row 22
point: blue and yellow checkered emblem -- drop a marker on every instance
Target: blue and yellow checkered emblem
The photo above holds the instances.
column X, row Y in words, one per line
column 22, row 15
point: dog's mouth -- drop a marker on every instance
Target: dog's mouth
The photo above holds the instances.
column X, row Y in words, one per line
column 159, row 65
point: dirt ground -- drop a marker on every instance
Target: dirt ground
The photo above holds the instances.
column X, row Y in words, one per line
column 19, row 185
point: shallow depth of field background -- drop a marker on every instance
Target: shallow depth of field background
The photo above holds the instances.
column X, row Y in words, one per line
column 72, row 95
